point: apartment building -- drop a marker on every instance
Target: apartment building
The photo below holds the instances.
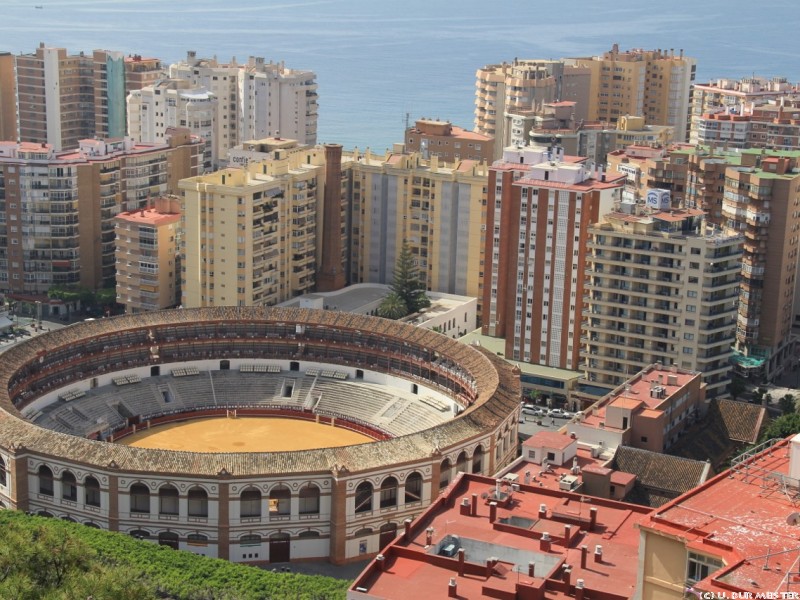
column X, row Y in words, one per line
column 448, row 142
column 655, row 84
column 250, row 234
column 170, row 103
column 8, row 98
column 540, row 205
column 522, row 85
column 147, row 257
column 737, row 93
column 662, row 288
column 55, row 97
column 555, row 124
column 257, row 100
column 436, row 208
column 750, row 192
column 650, row 410
column 57, row 208
column 761, row 200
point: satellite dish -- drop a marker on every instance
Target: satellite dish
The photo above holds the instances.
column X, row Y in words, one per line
column 793, row 519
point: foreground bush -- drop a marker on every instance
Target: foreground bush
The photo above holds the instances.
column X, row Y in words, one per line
column 49, row 559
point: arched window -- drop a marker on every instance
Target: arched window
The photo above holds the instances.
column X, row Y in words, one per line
column 45, row 481
column 364, row 497
column 280, row 501
column 251, row 539
column 197, row 539
column 140, row 498
column 309, row 500
column 91, row 488
column 92, row 525
column 308, row 534
column 169, row 539
column 461, row 463
column 444, row 473
column 139, row 534
column 250, row 504
column 168, row 500
column 3, row 479
column 69, row 487
column 198, row 502
column 477, row 460
column 413, row 488
column 389, row 492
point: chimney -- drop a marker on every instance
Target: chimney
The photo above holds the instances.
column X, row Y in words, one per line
column 407, row 530
column 452, row 588
column 584, row 552
column 567, row 534
column 474, row 506
column 429, row 536
column 598, row 553
column 465, row 507
column 381, row 560
column 592, row 518
column 794, row 457
column 492, row 512
column 461, row 561
column 542, row 511
column 579, row 589
column 567, row 576
column 331, row 275
column 531, row 568
column 544, row 542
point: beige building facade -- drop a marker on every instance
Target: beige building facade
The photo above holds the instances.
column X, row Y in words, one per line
column 148, row 264
column 8, row 98
column 448, row 142
column 250, row 234
column 662, row 288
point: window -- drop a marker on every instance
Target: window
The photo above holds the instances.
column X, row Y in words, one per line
column 91, row 488
column 309, row 500
column 691, row 294
column 699, row 566
column 3, row 480
column 363, row 497
column 198, row 502
column 168, row 500
column 644, row 439
column 69, row 487
column 140, row 498
column 45, row 481
column 389, row 493
column 413, row 488
column 280, row 501
column 551, row 456
column 250, row 504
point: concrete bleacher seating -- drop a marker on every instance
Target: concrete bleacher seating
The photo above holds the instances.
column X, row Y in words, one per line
column 325, row 391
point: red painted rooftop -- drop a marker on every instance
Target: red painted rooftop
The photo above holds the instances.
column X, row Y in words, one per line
column 550, row 478
column 745, row 517
column 149, row 216
column 548, row 439
column 413, row 569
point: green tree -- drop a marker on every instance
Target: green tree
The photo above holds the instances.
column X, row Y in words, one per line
column 782, row 427
column 392, row 307
column 787, row 404
column 408, row 283
column 736, row 387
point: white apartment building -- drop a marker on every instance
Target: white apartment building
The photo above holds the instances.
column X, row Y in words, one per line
column 174, row 103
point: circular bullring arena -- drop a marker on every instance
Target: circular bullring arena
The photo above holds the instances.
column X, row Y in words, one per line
column 255, row 435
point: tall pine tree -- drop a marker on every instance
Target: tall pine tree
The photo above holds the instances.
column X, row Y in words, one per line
column 407, row 285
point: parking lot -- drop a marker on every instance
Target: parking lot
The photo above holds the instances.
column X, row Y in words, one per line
column 540, row 418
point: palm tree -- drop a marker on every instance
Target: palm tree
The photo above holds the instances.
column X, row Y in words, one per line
column 393, row 307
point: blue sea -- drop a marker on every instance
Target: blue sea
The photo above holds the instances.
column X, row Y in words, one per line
column 378, row 62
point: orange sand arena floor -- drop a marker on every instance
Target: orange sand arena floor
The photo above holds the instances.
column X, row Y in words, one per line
column 244, row 434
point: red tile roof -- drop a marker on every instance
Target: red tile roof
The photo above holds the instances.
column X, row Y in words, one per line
column 549, row 439
column 413, row 568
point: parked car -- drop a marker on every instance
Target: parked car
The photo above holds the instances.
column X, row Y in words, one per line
column 559, row 413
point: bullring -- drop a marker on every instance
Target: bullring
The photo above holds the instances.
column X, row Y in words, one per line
column 336, row 503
